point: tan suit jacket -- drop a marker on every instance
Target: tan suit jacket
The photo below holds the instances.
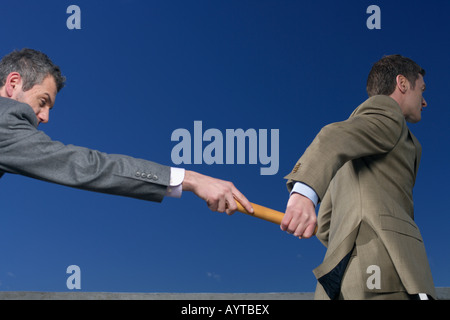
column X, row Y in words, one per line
column 363, row 170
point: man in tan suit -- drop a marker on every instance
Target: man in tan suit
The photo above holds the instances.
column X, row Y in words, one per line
column 362, row 171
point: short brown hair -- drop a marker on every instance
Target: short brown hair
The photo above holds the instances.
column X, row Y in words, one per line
column 382, row 77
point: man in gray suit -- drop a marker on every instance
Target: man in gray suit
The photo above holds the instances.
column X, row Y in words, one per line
column 29, row 82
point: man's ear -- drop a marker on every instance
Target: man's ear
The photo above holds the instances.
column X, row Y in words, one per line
column 402, row 83
column 13, row 84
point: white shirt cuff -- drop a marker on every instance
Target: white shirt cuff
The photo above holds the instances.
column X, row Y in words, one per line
column 175, row 187
column 306, row 191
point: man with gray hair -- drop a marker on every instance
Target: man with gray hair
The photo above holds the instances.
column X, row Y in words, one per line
column 29, row 83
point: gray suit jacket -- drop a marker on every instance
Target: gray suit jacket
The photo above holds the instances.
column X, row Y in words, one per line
column 27, row 151
column 364, row 169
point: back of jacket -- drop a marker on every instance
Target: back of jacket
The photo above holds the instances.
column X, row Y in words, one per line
column 364, row 170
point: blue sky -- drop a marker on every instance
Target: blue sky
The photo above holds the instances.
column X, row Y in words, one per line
column 138, row 70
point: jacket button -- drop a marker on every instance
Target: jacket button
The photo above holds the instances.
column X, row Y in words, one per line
column 138, row 174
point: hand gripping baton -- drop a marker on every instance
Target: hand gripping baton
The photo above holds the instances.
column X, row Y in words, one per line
column 264, row 213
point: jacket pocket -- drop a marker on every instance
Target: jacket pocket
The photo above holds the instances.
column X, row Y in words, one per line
column 401, row 226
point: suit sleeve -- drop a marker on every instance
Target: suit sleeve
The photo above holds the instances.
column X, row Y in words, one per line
column 373, row 129
column 27, row 151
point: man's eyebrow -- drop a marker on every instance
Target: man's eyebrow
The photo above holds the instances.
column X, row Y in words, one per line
column 49, row 99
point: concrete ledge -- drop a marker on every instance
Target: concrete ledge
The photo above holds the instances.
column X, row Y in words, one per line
column 30, row 295
column 443, row 293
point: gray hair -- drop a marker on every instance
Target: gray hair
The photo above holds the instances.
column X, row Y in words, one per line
column 33, row 66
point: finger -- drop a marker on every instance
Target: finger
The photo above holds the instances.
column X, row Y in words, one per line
column 212, row 205
column 299, row 230
column 298, row 225
column 221, row 204
column 231, row 207
column 309, row 231
column 305, row 229
column 242, row 200
column 286, row 221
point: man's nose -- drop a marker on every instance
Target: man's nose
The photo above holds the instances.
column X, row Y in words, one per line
column 43, row 115
column 424, row 103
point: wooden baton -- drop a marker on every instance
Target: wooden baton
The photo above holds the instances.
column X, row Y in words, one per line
column 264, row 213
